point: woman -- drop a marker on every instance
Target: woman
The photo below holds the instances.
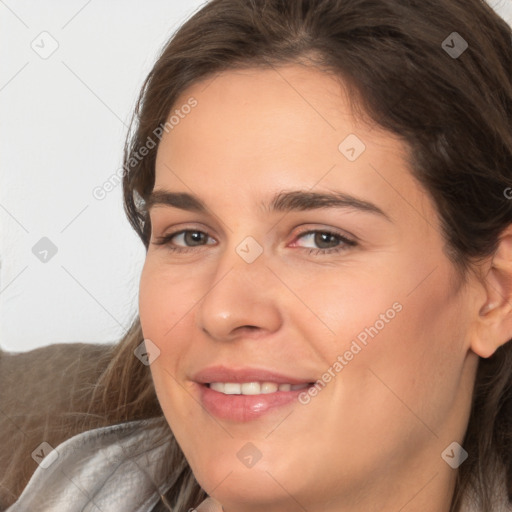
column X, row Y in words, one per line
column 322, row 188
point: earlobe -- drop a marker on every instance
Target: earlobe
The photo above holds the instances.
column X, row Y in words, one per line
column 493, row 324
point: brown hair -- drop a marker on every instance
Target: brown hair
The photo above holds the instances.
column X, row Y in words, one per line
column 454, row 113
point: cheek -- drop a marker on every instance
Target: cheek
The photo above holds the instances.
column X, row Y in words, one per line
column 162, row 311
column 413, row 365
column 148, row 289
column 163, row 307
column 168, row 300
column 349, row 305
column 401, row 340
column 165, row 299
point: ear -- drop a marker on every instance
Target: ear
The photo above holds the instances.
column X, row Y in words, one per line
column 493, row 325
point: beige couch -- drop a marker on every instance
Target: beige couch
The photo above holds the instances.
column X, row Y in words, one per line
column 38, row 391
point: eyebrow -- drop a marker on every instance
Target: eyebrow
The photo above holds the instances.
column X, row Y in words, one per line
column 294, row 200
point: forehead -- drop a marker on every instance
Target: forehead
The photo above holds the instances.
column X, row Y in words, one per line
column 291, row 126
column 254, row 105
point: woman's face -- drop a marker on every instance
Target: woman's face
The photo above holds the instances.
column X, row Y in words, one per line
column 304, row 252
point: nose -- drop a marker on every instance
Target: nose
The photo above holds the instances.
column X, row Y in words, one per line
column 241, row 300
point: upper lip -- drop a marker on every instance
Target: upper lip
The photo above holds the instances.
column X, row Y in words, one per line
column 245, row 374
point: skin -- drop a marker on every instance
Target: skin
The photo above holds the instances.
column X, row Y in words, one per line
column 372, row 439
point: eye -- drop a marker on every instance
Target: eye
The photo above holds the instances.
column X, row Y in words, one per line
column 190, row 237
column 327, row 242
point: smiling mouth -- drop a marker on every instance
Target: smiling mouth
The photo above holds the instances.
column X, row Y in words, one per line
column 232, row 396
column 254, row 388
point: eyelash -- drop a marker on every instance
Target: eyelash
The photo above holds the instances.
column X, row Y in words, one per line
column 166, row 240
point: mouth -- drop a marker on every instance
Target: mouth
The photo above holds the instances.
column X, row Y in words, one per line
column 255, row 388
column 242, row 395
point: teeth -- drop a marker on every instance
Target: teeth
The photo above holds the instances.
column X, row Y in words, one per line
column 253, row 388
column 269, row 387
column 250, row 388
column 217, row 386
column 232, row 388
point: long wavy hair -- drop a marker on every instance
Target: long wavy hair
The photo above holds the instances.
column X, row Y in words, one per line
column 455, row 114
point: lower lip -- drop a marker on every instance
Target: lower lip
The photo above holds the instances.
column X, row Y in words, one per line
column 243, row 408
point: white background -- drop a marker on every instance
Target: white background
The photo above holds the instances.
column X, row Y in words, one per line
column 62, row 130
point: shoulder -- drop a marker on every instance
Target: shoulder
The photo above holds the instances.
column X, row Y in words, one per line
column 118, row 467
column 40, row 388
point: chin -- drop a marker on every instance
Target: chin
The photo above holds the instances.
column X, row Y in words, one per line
column 251, row 487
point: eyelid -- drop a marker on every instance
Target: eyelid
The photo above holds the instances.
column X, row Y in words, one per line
column 178, row 228
column 315, row 228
